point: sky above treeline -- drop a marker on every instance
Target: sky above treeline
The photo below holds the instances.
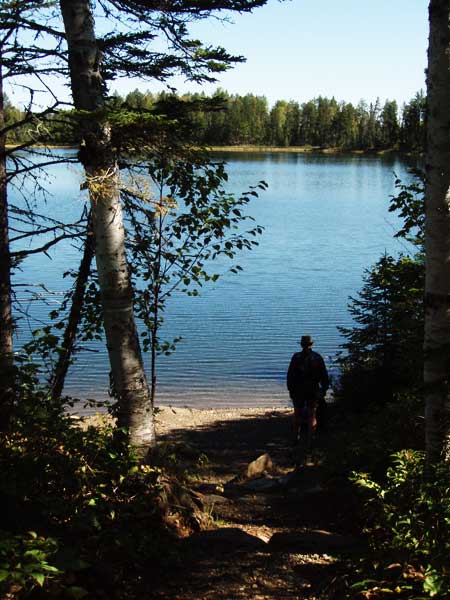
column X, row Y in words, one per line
column 300, row 49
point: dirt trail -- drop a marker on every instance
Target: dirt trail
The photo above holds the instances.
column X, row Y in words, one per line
column 283, row 537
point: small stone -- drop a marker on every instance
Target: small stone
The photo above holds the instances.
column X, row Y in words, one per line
column 259, row 466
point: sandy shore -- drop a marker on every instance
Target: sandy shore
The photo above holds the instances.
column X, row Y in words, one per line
column 169, row 418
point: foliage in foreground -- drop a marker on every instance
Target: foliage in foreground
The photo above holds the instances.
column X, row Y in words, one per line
column 82, row 518
column 408, row 526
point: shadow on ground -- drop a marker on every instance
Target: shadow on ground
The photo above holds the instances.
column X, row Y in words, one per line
column 286, row 542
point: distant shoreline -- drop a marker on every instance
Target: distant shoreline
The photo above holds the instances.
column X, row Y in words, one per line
column 302, row 150
column 275, row 149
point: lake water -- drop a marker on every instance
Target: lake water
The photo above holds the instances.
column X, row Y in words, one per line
column 326, row 219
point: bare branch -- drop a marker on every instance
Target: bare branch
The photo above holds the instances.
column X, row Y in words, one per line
column 38, row 166
column 27, row 234
column 45, row 247
column 38, row 27
column 31, row 117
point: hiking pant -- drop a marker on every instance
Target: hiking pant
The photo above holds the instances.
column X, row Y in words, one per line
column 305, row 409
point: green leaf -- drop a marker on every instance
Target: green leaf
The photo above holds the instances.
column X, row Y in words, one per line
column 50, row 569
column 39, row 578
column 433, row 583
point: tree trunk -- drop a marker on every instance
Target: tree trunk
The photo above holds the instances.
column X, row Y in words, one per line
column 73, row 322
column 437, row 204
column 156, row 298
column 98, row 157
column 6, row 321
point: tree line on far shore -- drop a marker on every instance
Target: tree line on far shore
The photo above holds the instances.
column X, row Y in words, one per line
column 233, row 120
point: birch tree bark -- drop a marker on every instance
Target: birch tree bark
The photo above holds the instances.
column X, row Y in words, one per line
column 97, row 154
column 437, row 281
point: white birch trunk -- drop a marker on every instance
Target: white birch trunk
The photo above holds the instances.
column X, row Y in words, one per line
column 128, row 376
column 437, row 283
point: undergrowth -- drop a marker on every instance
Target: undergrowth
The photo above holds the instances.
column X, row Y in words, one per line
column 404, row 509
column 408, row 527
column 82, row 517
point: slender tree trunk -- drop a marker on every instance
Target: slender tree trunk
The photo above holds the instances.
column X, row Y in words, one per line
column 154, row 342
column 97, row 154
column 6, row 322
column 437, row 281
column 156, row 299
column 73, row 322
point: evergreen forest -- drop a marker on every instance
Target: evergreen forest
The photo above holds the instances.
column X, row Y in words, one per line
column 234, row 120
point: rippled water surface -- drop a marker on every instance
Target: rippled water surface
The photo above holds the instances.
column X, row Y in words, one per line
column 325, row 220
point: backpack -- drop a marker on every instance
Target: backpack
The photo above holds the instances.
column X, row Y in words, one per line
column 305, row 372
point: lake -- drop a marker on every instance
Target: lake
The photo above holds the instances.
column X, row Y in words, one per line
column 326, row 219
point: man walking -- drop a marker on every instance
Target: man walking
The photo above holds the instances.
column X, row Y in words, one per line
column 307, row 382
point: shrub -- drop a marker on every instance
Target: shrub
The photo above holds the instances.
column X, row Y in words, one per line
column 24, row 561
column 408, row 525
column 101, row 518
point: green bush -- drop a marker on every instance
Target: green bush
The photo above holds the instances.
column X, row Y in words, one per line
column 408, row 527
column 101, row 518
column 24, row 561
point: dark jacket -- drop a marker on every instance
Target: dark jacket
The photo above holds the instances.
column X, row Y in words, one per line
column 307, row 374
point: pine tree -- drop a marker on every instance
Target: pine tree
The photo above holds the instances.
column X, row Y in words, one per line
column 384, row 350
